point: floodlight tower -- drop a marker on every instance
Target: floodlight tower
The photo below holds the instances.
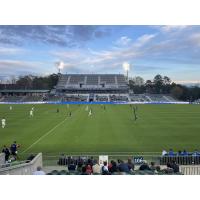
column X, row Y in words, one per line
column 60, row 66
column 126, row 67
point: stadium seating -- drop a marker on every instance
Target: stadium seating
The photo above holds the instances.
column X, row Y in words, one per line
column 32, row 98
column 12, row 99
column 102, row 98
column 115, row 98
column 95, row 81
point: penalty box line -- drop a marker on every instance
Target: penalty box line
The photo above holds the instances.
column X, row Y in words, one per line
column 46, row 134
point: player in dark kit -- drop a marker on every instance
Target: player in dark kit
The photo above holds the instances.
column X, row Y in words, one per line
column 57, row 110
column 134, row 112
column 70, row 114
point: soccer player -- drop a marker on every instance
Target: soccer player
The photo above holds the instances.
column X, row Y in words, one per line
column 10, row 107
column 57, row 110
column 3, row 122
column 90, row 113
column 31, row 113
column 135, row 115
column 70, row 114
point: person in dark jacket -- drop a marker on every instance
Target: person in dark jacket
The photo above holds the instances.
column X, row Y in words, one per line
column 144, row 166
column 175, row 166
column 6, row 151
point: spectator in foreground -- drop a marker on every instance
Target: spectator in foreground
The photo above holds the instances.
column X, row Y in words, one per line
column 39, row 171
column 72, row 166
column 123, row 167
column 84, row 171
column 89, row 169
column 152, row 166
column 144, row 166
column 169, row 169
column 113, row 167
column 6, row 151
column 175, row 166
column 104, row 168
column 131, row 165
column 96, row 167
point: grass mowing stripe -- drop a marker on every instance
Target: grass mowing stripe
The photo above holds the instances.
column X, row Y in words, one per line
column 46, row 134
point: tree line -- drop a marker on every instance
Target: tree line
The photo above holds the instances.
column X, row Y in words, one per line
column 30, row 82
column 163, row 85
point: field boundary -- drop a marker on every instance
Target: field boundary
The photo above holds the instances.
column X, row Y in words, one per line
column 81, row 102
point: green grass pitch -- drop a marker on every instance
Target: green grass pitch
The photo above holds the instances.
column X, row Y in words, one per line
column 112, row 131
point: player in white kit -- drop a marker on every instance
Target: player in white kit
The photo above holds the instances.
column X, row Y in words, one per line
column 10, row 107
column 90, row 113
column 3, row 123
column 31, row 113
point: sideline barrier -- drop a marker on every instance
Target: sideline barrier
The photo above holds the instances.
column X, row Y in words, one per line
column 25, row 168
column 81, row 102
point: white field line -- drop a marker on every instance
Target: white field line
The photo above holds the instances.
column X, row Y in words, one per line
column 46, row 134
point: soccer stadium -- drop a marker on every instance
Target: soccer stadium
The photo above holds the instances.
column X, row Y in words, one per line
column 75, row 123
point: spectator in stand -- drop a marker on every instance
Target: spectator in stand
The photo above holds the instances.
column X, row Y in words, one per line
column 123, row 167
column 72, row 166
column 104, row 169
column 39, row 171
column 144, row 166
column 175, row 166
column 179, row 153
column 96, row 167
column 157, row 169
column 89, row 169
column 195, row 153
column 152, row 166
column 79, row 165
column 113, row 167
column 84, row 171
column 6, row 151
column 184, row 153
column 169, row 169
column 171, row 152
column 131, row 165
column 164, row 152
column 90, row 161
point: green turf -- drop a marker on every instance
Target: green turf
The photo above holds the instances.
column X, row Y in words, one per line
column 114, row 130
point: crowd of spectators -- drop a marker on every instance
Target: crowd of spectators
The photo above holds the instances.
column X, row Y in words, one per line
column 89, row 166
column 171, row 153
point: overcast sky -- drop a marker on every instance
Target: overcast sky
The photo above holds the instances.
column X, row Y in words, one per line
column 173, row 51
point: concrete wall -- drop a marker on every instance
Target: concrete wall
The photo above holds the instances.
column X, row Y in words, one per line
column 2, row 159
column 23, row 169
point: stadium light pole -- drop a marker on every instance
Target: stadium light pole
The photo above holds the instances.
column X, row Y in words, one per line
column 60, row 66
column 126, row 67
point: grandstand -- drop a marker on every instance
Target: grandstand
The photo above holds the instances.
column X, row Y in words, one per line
column 97, row 83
